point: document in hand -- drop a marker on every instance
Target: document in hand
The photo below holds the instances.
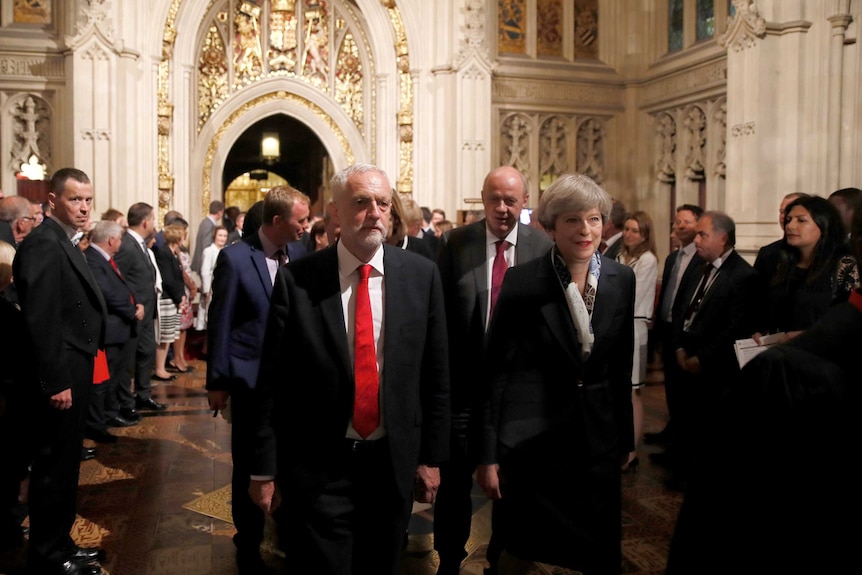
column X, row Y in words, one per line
column 746, row 349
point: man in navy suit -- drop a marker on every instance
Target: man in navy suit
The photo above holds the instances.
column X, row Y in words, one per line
column 355, row 372
column 466, row 260
column 242, row 285
column 64, row 313
column 123, row 315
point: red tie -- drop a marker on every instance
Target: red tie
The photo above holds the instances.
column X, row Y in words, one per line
column 366, row 412
column 498, row 270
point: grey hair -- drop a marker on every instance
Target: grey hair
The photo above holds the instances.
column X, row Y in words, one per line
column 721, row 222
column 339, row 182
column 572, row 193
column 105, row 229
column 14, row 207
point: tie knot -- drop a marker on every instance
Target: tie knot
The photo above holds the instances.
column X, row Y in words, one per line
column 502, row 246
column 364, row 272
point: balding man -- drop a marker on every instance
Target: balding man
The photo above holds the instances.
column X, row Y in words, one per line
column 15, row 211
column 467, row 260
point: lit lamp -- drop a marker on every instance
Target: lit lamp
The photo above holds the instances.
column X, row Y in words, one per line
column 269, row 147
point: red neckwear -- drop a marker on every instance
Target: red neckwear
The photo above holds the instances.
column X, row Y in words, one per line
column 498, row 270
column 366, row 411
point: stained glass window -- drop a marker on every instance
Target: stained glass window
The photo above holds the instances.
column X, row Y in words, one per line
column 674, row 25
column 705, row 19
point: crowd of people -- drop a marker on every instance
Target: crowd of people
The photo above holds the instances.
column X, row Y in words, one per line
column 413, row 357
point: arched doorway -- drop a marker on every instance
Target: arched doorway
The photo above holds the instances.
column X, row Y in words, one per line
column 272, row 151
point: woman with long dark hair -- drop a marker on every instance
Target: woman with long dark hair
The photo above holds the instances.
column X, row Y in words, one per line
column 816, row 269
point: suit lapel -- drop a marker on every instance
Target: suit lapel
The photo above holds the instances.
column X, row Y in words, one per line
column 395, row 287
column 79, row 263
column 328, row 287
column 556, row 313
column 477, row 255
column 607, row 296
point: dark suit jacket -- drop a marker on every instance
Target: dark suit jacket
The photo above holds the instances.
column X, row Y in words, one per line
column 464, row 272
column 62, row 304
column 678, row 306
column 725, row 315
column 557, row 423
column 139, row 273
column 120, row 321
column 306, row 332
column 614, row 249
column 173, row 285
column 237, row 314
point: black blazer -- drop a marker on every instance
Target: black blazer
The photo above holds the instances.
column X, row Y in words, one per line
column 306, row 331
column 557, row 424
column 140, row 275
column 726, row 314
column 464, row 272
column 61, row 301
column 120, row 321
column 173, row 286
column 678, row 306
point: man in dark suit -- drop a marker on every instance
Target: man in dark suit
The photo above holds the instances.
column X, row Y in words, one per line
column 64, row 313
column 123, row 316
column 362, row 419
column 466, row 261
column 612, row 233
column 719, row 310
column 236, row 321
column 680, row 267
column 205, row 233
column 135, row 264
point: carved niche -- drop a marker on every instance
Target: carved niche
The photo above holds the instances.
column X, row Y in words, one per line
column 31, row 134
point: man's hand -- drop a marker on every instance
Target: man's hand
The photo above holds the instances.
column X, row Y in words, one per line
column 488, row 477
column 264, row 494
column 139, row 311
column 692, row 365
column 217, row 399
column 426, row 484
column 62, row 400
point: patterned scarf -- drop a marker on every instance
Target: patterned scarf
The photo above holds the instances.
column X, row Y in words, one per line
column 580, row 308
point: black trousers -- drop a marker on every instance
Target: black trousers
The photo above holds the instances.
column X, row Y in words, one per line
column 248, row 518
column 453, row 508
column 353, row 524
column 104, row 395
column 54, row 477
column 143, row 357
column 15, row 422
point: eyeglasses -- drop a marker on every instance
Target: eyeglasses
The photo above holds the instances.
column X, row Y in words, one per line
column 32, row 219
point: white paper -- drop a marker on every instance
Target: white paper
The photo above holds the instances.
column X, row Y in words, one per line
column 747, row 349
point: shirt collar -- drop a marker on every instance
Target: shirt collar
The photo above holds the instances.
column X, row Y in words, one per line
column 511, row 237
column 717, row 263
column 135, row 235
column 690, row 249
column 614, row 238
column 347, row 262
column 68, row 230
column 100, row 250
column 269, row 248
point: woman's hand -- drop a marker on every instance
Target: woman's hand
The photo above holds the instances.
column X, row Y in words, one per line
column 488, row 477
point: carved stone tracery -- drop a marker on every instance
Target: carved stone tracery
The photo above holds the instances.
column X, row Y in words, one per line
column 590, row 146
column 553, row 147
column 31, row 132
column 744, row 28
column 666, row 148
column 515, row 142
column 695, row 124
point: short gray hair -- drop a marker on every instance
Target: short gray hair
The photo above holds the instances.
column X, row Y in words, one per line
column 339, row 182
column 14, row 207
column 105, row 229
column 721, row 222
column 572, row 193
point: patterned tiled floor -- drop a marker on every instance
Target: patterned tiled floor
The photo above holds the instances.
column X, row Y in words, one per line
column 158, row 499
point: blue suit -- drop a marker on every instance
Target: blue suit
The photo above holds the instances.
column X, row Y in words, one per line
column 235, row 326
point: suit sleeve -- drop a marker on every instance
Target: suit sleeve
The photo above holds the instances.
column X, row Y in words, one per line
column 38, row 271
column 116, row 299
column 620, row 362
column 435, row 381
column 737, row 322
column 225, row 287
column 271, row 371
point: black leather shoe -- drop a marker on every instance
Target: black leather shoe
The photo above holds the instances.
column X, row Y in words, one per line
column 99, row 436
column 149, row 403
column 130, row 414
column 88, row 453
column 158, row 377
column 88, row 554
column 66, row 568
column 121, row 421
